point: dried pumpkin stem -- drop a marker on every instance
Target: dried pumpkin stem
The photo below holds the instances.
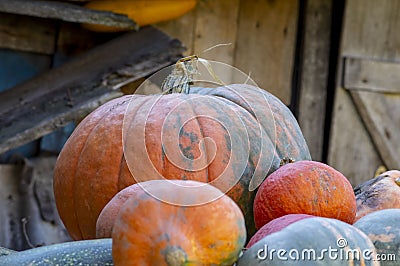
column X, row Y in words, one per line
column 181, row 77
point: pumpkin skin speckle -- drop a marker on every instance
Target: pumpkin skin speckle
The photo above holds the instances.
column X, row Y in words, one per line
column 305, row 187
column 148, row 231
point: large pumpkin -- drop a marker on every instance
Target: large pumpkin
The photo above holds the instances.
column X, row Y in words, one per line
column 383, row 228
column 92, row 167
column 148, row 231
column 313, row 241
column 378, row 193
column 305, row 187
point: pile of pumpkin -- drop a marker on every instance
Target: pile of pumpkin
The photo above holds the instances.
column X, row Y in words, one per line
column 301, row 204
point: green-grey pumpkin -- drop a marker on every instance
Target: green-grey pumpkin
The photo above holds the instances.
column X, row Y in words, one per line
column 312, row 241
column 383, row 228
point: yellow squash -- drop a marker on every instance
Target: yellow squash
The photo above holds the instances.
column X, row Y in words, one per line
column 143, row 12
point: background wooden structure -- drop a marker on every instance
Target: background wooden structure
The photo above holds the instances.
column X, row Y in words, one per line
column 334, row 63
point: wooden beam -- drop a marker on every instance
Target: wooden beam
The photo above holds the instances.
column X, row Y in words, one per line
column 351, row 150
column 371, row 75
column 266, row 42
column 61, row 95
column 314, row 74
column 381, row 114
column 27, row 34
column 66, row 12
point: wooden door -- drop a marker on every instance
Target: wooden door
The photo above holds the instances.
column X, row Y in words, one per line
column 365, row 129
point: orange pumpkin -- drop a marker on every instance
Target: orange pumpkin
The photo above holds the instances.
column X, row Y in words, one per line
column 107, row 217
column 92, row 166
column 148, row 231
column 305, row 187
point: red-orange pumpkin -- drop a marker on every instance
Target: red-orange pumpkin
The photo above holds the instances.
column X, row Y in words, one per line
column 306, row 187
column 276, row 225
column 148, row 231
column 92, row 166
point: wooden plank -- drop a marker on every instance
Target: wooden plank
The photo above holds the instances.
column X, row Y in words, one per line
column 371, row 29
column 371, row 75
column 66, row 12
column 351, row 150
column 27, row 34
column 381, row 115
column 216, row 23
column 70, row 91
column 182, row 29
column 314, row 74
column 266, row 44
column 215, row 34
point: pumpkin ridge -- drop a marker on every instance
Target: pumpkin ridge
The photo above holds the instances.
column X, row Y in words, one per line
column 207, row 172
column 76, row 169
column 98, row 124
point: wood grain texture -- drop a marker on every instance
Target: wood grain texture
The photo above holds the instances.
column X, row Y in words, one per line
column 381, row 116
column 371, row 29
column 182, row 29
column 371, row 75
column 266, row 44
column 314, row 74
column 27, row 34
column 351, row 150
column 216, row 23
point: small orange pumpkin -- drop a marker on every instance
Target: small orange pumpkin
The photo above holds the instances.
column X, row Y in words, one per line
column 306, row 187
column 148, row 231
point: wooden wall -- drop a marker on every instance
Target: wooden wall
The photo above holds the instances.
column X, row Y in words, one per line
column 261, row 35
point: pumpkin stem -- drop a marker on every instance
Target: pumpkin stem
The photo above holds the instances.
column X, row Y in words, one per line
column 175, row 256
column 181, row 77
column 286, row 160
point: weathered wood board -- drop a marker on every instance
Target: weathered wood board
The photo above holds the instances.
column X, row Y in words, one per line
column 351, row 150
column 314, row 67
column 371, row 75
column 371, row 30
column 28, row 34
column 266, row 44
column 368, row 79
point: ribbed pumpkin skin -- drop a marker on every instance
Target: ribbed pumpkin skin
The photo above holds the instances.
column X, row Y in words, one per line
column 381, row 192
column 148, row 231
column 311, row 234
column 383, row 228
column 306, row 187
column 107, row 217
column 91, row 168
column 275, row 225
